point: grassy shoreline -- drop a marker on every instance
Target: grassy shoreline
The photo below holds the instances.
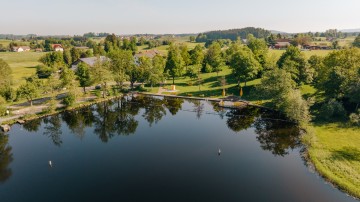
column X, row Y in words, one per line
column 332, row 148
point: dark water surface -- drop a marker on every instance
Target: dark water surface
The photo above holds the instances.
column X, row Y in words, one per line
column 155, row 149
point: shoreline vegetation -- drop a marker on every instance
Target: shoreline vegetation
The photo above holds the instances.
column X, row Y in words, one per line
column 318, row 89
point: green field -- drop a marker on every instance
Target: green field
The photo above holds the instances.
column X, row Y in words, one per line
column 335, row 151
column 22, row 64
column 308, row 54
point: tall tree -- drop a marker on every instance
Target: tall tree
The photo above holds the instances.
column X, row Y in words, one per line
column 121, row 61
column 101, row 74
column 67, row 57
column 244, row 65
column 213, row 58
column 174, row 62
column 156, row 73
column 259, row 48
column 30, row 89
column 83, row 75
column 356, row 42
column 294, row 61
column 197, row 55
column 5, row 74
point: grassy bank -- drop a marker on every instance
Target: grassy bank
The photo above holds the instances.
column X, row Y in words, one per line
column 334, row 149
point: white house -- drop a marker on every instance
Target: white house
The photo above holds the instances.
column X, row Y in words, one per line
column 57, row 47
column 21, row 48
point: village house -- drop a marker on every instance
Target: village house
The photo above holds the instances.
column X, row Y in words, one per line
column 146, row 53
column 57, row 47
column 89, row 61
column 21, row 48
column 282, row 44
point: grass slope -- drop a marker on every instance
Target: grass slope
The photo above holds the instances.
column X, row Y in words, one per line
column 22, row 64
column 335, row 151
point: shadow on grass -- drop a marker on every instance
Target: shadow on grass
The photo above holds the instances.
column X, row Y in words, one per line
column 346, row 153
column 32, row 67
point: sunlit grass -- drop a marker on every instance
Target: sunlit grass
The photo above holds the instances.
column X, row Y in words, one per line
column 22, row 64
column 335, row 151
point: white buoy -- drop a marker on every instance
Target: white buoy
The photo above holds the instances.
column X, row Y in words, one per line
column 219, row 152
column 50, row 163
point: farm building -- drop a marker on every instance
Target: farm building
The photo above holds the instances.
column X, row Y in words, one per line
column 146, row 53
column 89, row 61
column 57, row 47
column 21, row 48
column 282, row 44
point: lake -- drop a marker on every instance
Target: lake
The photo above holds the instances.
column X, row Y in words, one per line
column 144, row 148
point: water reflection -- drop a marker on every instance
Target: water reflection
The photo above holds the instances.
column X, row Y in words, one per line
column 277, row 136
column 78, row 120
column 33, row 125
column 53, row 129
column 118, row 117
column 5, row 158
column 243, row 119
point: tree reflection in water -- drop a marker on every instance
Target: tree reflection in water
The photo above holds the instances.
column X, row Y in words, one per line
column 198, row 107
column 78, row 120
column 273, row 132
column 239, row 120
column 277, row 136
column 118, row 117
column 5, row 158
column 53, row 129
column 32, row 125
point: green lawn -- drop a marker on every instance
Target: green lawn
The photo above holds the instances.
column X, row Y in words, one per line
column 22, row 64
column 308, row 54
column 335, row 151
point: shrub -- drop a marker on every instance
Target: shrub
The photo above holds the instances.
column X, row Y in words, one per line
column 355, row 118
column 2, row 106
column 8, row 93
column 331, row 110
column 69, row 99
column 43, row 71
column 295, row 107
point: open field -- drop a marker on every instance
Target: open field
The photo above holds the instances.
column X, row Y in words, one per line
column 334, row 150
column 308, row 54
column 22, row 64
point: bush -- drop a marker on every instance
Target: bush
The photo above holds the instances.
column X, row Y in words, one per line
column 69, row 99
column 2, row 107
column 52, row 106
column 295, row 107
column 43, row 71
column 332, row 110
column 8, row 93
column 355, row 118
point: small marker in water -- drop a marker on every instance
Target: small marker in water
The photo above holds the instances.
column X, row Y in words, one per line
column 219, row 152
column 50, row 163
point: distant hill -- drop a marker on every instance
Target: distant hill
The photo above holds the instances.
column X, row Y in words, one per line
column 277, row 32
column 233, row 34
column 350, row 30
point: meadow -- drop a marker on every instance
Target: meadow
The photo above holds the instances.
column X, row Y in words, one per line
column 22, row 64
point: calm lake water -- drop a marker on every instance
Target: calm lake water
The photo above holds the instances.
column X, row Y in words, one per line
column 158, row 149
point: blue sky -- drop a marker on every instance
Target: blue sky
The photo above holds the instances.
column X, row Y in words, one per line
column 174, row 16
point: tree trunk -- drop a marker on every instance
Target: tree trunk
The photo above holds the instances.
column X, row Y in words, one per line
column 245, row 82
column 104, row 90
column 173, row 80
column 84, row 89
